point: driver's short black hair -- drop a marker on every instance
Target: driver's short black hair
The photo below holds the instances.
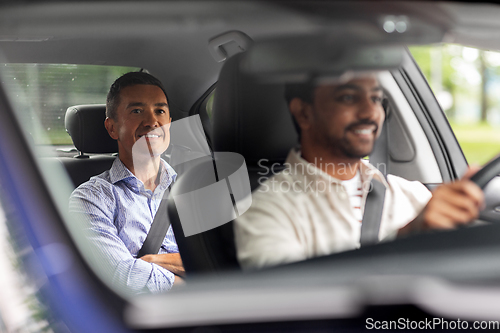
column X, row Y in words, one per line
column 304, row 91
column 127, row 80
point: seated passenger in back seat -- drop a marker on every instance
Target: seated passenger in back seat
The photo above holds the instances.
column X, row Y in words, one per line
column 315, row 206
column 120, row 204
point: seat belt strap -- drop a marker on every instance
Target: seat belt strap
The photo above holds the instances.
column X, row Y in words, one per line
column 158, row 229
column 374, row 204
column 372, row 215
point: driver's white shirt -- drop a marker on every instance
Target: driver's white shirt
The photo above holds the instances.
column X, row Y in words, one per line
column 302, row 212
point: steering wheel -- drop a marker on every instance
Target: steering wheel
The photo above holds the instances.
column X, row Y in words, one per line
column 487, row 173
column 491, row 213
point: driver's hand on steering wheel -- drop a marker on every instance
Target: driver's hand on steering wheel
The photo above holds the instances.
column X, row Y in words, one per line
column 453, row 204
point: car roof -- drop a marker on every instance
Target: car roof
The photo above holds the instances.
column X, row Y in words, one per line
column 170, row 38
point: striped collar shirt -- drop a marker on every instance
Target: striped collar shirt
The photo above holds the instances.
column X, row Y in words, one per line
column 353, row 188
column 119, row 211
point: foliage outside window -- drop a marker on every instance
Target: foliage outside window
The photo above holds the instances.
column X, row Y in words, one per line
column 43, row 92
column 466, row 82
column 210, row 105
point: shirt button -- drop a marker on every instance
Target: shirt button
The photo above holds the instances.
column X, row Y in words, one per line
column 342, row 195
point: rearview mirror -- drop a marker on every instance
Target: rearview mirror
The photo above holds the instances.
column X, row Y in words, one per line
column 299, row 58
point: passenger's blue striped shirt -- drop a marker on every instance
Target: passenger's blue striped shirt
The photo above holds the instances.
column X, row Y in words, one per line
column 120, row 212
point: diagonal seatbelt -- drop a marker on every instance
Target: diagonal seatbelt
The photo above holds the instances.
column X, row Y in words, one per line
column 372, row 215
column 374, row 204
column 158, row 229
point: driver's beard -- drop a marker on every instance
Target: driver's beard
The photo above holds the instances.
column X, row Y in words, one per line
column 343, row 147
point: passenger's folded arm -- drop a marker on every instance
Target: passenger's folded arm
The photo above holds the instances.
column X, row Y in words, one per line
column 102, row 233
column 169, row 261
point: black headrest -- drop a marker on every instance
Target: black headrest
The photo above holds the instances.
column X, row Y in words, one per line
column 251, row 118
column 85, row 125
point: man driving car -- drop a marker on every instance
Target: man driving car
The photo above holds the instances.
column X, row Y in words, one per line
column 315, row 206
column 120, row 204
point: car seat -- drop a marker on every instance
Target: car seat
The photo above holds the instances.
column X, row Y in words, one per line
column 249, row 118
column 85, row 125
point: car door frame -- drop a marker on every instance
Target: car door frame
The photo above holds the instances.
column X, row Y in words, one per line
column 72, row 292
column 449, row 156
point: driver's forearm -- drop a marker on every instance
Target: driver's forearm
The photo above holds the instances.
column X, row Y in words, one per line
column 414, row 227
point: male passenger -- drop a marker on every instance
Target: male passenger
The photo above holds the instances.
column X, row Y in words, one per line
column 315, row 206
column 120, row 204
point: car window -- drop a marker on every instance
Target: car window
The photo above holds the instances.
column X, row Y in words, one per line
column 44, row 91
column 210, row 104
column 353, row 283
column 423, row 168
column 466, row 82
column 21, row 309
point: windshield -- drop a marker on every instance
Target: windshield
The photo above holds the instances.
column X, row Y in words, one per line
column 312, row 171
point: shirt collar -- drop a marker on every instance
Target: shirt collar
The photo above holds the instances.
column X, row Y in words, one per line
column 119, row 172
column 309, row 172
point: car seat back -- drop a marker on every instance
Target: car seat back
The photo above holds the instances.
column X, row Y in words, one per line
column 252, row 118
column 249, row 118
column 85, row 125
column 199, row 191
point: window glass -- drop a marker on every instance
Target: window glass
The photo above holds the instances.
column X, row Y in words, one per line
column 210, row 104
column 466, row 82
column 20, row 307
column 43, row 92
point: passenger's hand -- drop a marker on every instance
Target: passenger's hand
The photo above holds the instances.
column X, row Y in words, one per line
column 178, row 281
column 169, row 261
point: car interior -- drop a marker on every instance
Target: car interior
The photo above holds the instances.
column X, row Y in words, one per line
column 222, row 66
column 250, row 118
